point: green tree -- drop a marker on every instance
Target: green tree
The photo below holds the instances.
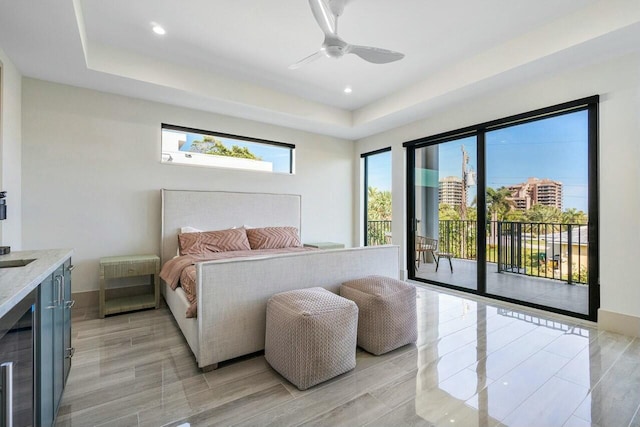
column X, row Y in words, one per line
column 210, row 145
column 574, row 216
column 472, row 213
column 497, row 203
column 378, row 205
column 447, row 212
column 543, row 214
column 514, row 215
column 378, row 209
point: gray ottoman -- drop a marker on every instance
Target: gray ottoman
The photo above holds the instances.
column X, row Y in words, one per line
column 311, row 335
column 387, row 316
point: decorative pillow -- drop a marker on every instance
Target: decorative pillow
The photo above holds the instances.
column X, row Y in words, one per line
column 213, row 241
column 273, row 237
column 187, row 229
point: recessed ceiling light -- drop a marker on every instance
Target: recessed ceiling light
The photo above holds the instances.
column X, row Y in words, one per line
column 348, row 89
column 159, row 30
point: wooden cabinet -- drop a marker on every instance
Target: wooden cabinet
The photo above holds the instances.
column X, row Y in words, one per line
column 129, row 266
column 53, row 342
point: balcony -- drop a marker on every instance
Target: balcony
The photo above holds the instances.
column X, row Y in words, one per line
column 540, row 263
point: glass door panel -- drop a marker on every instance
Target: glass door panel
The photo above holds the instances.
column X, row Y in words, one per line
column 445, row 221
column 537, row 198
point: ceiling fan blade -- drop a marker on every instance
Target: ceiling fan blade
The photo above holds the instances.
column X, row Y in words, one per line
column 324, row 16
column 337, row 6
column 306, row 60
column 374, row 54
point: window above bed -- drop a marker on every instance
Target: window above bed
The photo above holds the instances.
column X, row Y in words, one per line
column 196, row 147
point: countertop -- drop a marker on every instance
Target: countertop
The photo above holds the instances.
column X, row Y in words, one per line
column 17, row 282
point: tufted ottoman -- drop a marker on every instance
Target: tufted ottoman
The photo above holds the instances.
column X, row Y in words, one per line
column 387, row 316
column 311, row 335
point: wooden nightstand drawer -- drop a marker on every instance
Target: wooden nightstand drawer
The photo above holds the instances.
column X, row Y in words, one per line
column 130, row 269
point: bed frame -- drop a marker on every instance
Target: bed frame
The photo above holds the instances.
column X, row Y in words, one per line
column 232, row 294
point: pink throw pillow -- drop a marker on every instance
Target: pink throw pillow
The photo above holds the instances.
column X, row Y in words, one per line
column 273, row 237
column 213, row 241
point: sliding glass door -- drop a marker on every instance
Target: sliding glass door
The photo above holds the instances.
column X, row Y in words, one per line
column 537, row 202
column 444, row 223
column 508, row 209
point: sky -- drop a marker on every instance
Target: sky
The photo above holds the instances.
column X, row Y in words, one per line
column 554, row 148
column 278, row 156
column 379, row 171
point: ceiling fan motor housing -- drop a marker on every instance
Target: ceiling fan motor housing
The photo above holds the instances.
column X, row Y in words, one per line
column 334, row 51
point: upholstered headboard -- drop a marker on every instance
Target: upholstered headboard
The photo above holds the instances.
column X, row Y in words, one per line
column 219, row 210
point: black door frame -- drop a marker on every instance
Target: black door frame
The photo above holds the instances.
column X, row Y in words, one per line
column 589, row 104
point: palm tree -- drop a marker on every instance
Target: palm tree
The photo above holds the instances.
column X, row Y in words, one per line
column 498, row 205
column 574, row 216
column 543, row 214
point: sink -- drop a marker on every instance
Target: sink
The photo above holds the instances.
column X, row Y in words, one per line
column 15, row 263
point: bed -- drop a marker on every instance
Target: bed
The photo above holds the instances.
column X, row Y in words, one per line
column 232, row 293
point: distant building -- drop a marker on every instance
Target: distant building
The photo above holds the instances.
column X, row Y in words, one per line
column 450, row 191
column 536, row 191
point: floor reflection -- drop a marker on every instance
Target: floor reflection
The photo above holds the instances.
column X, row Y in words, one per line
column 484, row 365
column 475, row 364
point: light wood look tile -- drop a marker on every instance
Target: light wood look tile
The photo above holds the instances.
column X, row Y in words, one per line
column 475, row 364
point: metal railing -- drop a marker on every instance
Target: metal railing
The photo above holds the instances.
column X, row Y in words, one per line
column 376, row 231
column 549, row 250
column 459, row 238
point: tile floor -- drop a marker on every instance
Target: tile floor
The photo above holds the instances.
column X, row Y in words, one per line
column 475, row 364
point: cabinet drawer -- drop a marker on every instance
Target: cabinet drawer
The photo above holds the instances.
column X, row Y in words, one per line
column 129, row 269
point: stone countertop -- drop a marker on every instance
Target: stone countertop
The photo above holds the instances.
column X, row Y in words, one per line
column 17, row 282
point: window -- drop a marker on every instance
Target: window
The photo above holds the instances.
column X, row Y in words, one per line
column 377, row 197
column 194, row 147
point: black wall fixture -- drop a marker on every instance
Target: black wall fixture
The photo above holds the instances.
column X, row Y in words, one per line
column 3, row 205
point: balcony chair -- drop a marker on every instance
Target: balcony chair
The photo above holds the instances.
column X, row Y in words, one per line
column 426, row 245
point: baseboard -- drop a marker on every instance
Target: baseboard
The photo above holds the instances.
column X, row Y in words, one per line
column 617, row 322
column 89, row 299
column 607, row 320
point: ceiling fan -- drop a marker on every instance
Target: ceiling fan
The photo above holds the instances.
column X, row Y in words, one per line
column 326, row 14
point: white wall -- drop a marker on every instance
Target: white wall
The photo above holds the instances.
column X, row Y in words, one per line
column 617, row 81
column 92, row 174
column 11, row 152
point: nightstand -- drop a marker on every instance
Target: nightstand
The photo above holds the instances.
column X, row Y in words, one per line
column 129, row 266
column 324, row 245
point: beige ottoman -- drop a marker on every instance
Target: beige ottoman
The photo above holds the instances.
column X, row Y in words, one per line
column 311, row 335
column 387, row 316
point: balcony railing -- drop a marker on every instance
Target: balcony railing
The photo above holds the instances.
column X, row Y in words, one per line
column 550, row 250
column 376, row 232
